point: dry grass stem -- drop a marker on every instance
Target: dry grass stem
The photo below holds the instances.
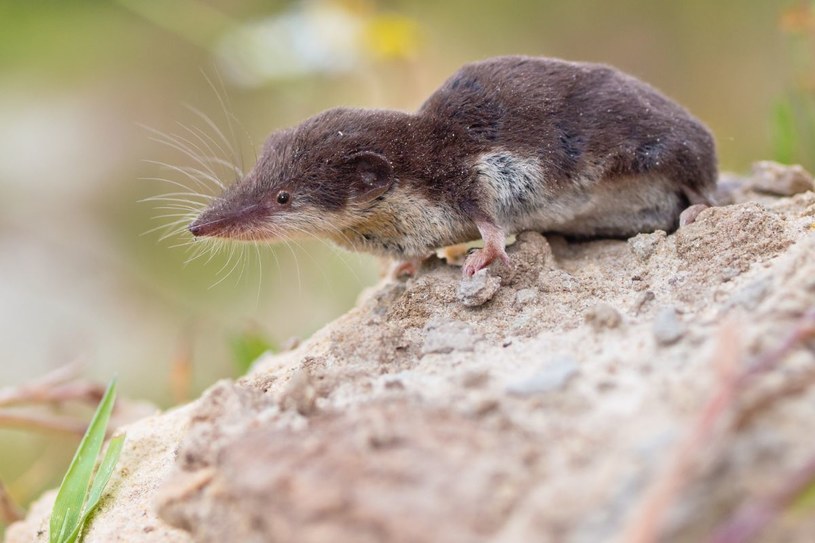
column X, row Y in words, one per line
column 58, row 386
column 9, row 511
column 47, row 423
column 647, row 522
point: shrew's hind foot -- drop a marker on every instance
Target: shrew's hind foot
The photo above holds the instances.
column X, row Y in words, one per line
column 688, row 216
column 406, row 267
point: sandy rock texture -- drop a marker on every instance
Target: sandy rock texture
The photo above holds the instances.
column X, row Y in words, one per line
column 554, row 408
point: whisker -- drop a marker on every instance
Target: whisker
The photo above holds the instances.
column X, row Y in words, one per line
column 227, row 274
column 334, row 250
column 211, row 124
column 186, row 243
column 181, row 144
column 205, row 176
column 206, row 139
column 222, row 99
column 201, row 249
column 243, row 264
column 174, row 233
column 165, row 226
column 214, row 248
column 260, row 275
column 185, row 171
column 296, row 265
column 196, row 174
column 172, row 182
column 177, row 207
column 173, row 197
column 183, row 216
column 228, row 260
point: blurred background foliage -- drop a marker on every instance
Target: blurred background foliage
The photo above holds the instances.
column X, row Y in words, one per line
column 78, row 78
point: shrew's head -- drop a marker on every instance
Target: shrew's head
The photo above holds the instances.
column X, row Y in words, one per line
column 313, row 179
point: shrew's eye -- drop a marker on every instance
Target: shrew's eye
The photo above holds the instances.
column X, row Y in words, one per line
column 283, row 197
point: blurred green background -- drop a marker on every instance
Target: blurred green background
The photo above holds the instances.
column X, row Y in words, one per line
column 79, row 78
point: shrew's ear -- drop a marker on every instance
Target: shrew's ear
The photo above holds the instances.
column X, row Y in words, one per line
column 372, row 176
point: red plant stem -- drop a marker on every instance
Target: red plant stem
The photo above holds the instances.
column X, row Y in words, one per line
column 646, row 525
column 748, row 522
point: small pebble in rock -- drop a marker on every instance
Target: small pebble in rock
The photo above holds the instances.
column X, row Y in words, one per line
column 667, row 326
column 446, row 337
column 644, row 245
column 557, row 281
column 643, row 299
column 480, row 406
column 729, row 273
column 521, row 323
column 300, row 393
column 478, row 289
column 525, row 296
column 602, row 316
column 778, row 179
column 751, row 295
column 551, row 377
column 475, row 378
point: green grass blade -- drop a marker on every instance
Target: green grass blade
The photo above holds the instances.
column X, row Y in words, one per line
column 784, row 131
column 100, row 481
column 70, row 501
column 247, row 347
column 104, row 472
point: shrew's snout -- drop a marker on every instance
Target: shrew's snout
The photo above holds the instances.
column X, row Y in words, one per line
column 196, row 229
column 202, row 226
column 212, row 223
column 225, row 222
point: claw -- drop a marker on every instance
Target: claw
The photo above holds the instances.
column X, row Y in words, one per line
column 482, row 258
column 494, row 240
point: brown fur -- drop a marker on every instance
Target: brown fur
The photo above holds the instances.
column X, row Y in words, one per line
column 405, row 184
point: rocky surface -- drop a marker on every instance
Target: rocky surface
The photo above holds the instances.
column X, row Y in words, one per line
column 546, row 410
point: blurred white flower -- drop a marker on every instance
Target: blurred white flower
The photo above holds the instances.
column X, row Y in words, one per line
column 318, row 36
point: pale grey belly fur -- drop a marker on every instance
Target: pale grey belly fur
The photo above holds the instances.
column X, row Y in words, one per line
column 585, row 207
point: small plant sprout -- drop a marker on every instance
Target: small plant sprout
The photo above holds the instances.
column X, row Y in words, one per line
column 80, row 491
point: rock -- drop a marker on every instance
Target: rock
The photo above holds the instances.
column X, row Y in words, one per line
column 644, row 245
column 446, row 337
column 602, row 316
column 780, row 180
column 282, row 485
column 478, row 289
column 667, row 327
column 530, row 254
column 725, row 241
column 550, row 377
column 361, row 435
